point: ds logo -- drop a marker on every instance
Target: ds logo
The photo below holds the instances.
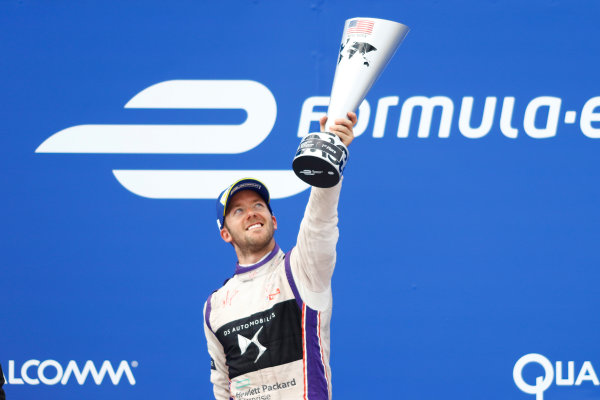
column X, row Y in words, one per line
column 252, row 97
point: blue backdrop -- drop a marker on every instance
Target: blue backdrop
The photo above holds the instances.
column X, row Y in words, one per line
column 458, row 255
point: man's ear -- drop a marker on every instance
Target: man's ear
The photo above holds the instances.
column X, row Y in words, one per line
column 274, row 222
column 225, row 235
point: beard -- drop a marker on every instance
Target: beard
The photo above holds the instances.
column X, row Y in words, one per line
column 248, row 242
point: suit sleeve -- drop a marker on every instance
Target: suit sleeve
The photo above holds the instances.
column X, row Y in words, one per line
column 313, row 258
column 219, row 374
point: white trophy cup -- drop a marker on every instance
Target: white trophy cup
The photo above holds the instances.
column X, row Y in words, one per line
column 367, row 46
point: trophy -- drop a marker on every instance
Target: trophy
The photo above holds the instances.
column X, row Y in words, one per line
column 367, row 46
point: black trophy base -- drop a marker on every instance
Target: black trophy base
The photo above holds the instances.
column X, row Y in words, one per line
column 315, row 171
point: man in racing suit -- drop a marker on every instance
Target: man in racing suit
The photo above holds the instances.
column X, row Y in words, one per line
column 267, row 328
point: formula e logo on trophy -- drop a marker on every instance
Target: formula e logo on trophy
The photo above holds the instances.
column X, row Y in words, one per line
column 542, row 383
column 251, row 96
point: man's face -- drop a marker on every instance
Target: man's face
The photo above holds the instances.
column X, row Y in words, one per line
column 249, row 225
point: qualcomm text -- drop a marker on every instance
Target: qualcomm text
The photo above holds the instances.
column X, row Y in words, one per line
column 51, row 372
column 542, row 383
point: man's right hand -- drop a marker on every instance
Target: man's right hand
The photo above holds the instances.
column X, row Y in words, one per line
column 343, row 128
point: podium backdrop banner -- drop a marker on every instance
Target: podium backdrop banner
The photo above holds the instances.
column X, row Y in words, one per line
column 467, row 264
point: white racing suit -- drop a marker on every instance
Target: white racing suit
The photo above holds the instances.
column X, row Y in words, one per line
column 267, row 328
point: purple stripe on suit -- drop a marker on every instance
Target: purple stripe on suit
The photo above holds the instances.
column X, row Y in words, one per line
column 315, row 370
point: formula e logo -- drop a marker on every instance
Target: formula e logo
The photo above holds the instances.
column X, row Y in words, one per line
column 51, row 372
column 542, row 383
column 252, row 97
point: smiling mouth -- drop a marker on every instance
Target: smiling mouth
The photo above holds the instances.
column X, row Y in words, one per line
column 254, row 226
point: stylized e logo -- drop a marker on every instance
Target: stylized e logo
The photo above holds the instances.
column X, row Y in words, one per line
column 253, row 97
column 541, row 383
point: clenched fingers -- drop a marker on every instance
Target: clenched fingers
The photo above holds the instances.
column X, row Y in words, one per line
column 343, row 128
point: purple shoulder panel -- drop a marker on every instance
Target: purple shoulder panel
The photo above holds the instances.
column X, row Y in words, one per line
column 207, row 313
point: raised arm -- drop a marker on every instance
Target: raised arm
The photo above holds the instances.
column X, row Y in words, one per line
column 313, row 258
